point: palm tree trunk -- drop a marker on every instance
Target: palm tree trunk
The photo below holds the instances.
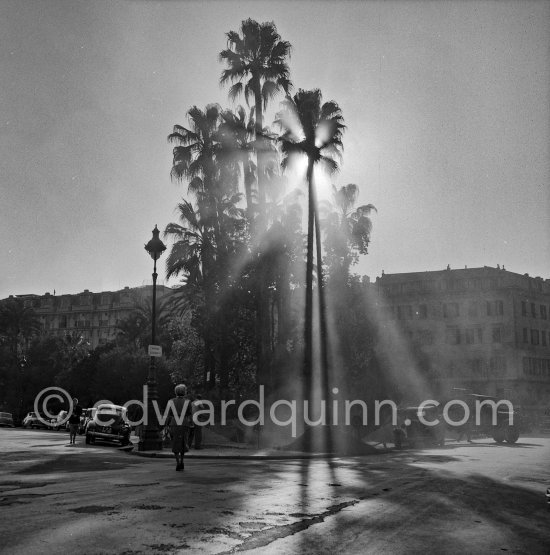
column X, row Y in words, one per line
column 263, row 316
column 308, row 324
column 322, row 304
column 323, row 329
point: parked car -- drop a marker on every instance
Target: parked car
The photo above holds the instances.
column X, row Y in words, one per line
column 87, row 416
column 60, row 421
column 32, row 420
column 414, row 430
column 110, row 423
column 6, row 419
column 483, row 422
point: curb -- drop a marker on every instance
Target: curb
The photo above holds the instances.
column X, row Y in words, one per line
column 279, row 455
column 170, row 455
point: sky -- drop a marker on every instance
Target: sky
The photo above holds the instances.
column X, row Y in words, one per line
column 446, row 105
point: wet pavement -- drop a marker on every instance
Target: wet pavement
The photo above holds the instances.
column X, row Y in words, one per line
column 98, row 499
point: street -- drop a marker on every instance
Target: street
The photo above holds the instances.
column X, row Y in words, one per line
column 97, row 499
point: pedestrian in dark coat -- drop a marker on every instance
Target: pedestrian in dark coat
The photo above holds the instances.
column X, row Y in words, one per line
column 180, row 421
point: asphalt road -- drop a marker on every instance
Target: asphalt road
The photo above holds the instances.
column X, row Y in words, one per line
column 480, row 498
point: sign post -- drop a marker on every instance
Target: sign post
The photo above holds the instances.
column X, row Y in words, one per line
column 155, row 351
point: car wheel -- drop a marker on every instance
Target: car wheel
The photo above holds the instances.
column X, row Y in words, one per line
column 499, row 435
column 512, row 434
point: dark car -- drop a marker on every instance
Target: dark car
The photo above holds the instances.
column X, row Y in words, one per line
column 6, row 419
column 416, row 431
column 109, row 423
column 491, row 417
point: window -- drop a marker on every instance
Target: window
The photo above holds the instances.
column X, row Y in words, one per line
column 63, row 321
column 495, row 308
column 525, row 335
column 526, row 365
column 473, row 335
column 497, row 335
column 472, row 309
column 543, row 313
column 450, row 310
column 534, row 337
column 422, row 311
column 452, row 336
column 523, row 308
column 543, row 337
column 533, row 310
column 497, row 365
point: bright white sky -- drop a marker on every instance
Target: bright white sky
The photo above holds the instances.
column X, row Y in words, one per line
column 447, row 107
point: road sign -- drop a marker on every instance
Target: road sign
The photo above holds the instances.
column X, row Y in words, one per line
column 155, row 351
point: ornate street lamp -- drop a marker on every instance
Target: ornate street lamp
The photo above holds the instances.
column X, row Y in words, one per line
column 151, row 439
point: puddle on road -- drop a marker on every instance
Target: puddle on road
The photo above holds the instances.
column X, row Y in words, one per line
column 21, row 498
column 93, row 509
column 23, row 485
column 149, row 507
column 73, row 464
column 253, row 525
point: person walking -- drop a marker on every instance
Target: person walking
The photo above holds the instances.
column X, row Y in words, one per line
column 179, row 423
column 74, row 421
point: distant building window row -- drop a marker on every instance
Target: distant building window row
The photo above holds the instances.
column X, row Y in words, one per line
column 449, row 310
column 442, row 285
column 536, row 366
column 536, row 337
column 471, row 336
column 530, row 309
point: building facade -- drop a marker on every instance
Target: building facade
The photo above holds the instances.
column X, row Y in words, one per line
column 93, row 316
column 486, row 330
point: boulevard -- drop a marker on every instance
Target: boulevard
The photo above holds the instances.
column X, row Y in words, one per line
column 97, row 499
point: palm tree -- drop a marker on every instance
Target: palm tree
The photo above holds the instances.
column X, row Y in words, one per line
column 315, row 130
column 193, row 256
column 257, row 67
column 211, row 174
column 236, row 136
column 348, row 229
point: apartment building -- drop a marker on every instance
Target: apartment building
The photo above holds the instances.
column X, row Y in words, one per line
column 486, row 329
column 94, row 316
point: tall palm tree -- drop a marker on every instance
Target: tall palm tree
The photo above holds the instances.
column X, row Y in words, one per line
column 256, row 59
column 236, row 135
column 314, row 129
column 348, row 229
column 199, row 158
column 193, row 256
column 256, row 66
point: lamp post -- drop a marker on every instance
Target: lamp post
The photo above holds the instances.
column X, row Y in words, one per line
column 151, row 439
